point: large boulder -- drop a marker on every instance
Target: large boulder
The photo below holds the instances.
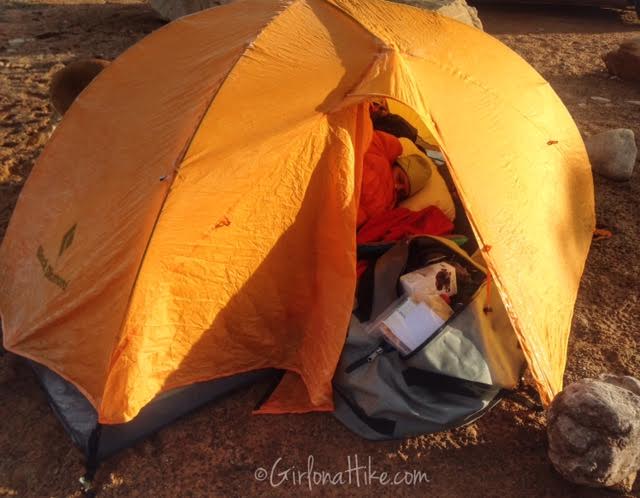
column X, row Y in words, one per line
column 624, row 62
column 594, row 432
column 457, row 9
column 613, row 153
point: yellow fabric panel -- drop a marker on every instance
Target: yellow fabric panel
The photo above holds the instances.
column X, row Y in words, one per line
column 213, row 302
column 100, row 172
column 260, row 273
column 529, row 199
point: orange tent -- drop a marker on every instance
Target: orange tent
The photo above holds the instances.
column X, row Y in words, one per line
column 193, row 216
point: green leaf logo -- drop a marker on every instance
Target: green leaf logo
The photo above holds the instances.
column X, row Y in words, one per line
column 67, row 240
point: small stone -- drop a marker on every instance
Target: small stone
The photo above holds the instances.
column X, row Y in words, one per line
column 633, row 102
column 601, row 100
column 16, row 41
column 594, row 432
column 582, row 104
column 613, row 153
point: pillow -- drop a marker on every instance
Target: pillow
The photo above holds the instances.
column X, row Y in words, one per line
column 435, row 192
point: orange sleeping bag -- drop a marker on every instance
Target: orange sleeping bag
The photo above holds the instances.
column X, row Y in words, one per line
column 377, row 192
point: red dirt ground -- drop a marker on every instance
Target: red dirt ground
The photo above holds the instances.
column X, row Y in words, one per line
column 215, row 451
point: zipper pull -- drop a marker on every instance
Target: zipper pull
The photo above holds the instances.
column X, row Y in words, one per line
column 379, row 350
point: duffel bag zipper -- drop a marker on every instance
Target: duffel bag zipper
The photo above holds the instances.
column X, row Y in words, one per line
column 382, row 348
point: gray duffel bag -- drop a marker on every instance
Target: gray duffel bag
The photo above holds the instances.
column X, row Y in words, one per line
column 452, row 379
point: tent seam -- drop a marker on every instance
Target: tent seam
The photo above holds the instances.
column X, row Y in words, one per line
column 355, row 20
column 457, row 73
column 452, row 69
column 176, row 166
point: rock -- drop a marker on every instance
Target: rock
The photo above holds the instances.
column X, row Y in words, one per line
column 613, row 153
column 625, row 381
column 600, row 100
column 16, row 41
column 173, row 9
column 68, row 82
column 633, row 102
column 625, row 61
column 457, row 9
column 594, row 432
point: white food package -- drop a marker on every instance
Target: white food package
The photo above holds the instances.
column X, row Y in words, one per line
column 435, row 279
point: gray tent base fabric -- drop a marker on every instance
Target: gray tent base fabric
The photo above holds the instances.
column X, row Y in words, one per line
column 98, row 442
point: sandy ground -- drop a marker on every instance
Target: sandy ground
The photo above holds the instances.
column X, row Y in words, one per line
column 215, row 451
